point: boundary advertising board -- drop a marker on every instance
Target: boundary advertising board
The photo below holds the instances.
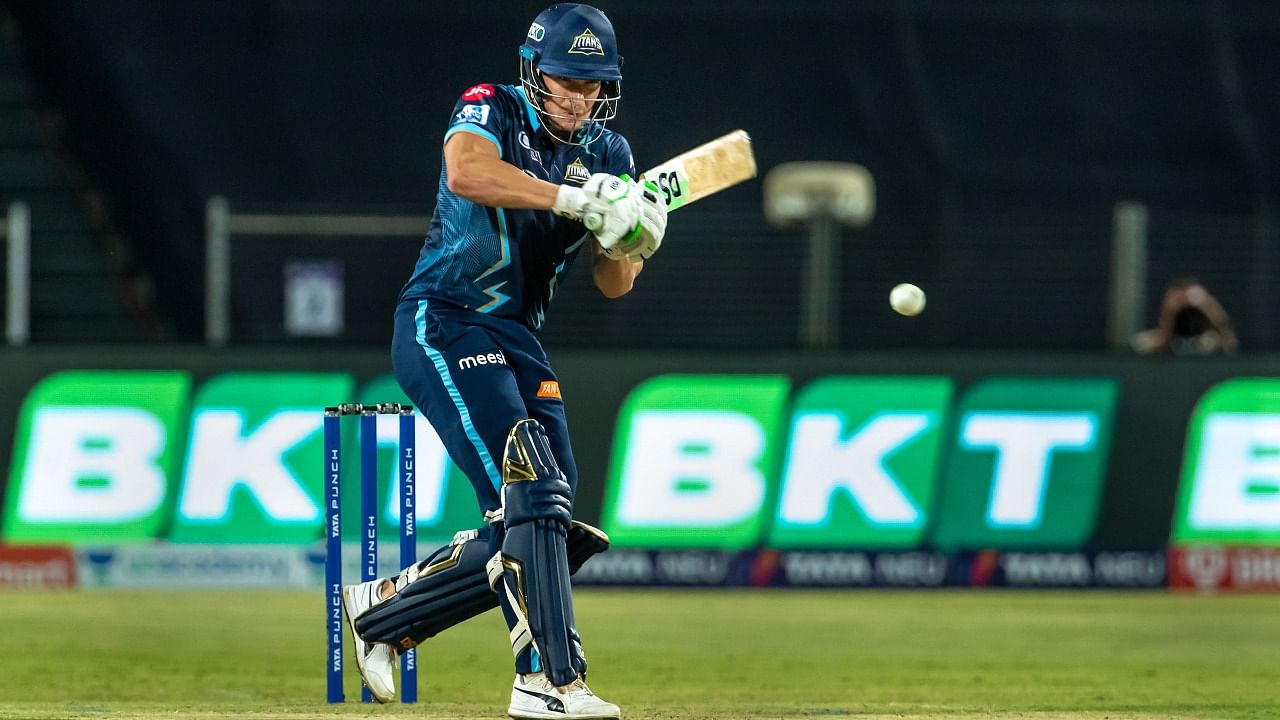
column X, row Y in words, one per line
column 890, row 470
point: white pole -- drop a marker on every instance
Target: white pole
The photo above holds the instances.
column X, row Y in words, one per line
column 17, row 326
column 1128, row 291
column 217, row 278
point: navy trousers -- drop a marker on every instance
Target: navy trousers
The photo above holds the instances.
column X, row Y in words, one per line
column 474, row 377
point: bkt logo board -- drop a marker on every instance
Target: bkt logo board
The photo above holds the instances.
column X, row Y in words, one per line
column 859, row 462
column 101, row 456
column 894, row 463
column 717, row 461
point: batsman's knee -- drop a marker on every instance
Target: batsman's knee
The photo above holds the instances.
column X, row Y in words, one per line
column 533, row 487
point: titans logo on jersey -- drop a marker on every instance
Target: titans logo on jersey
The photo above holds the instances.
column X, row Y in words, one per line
column 507, row 262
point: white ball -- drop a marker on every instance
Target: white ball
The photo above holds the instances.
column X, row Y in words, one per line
column 906, row 299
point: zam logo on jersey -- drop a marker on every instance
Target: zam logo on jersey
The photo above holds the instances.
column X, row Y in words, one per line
column 493, row 358
column 586, row 44
column 478, row 114
column 577, row 172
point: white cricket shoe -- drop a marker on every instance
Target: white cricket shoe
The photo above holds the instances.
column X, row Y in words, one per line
column 377, row 661
column 533, row 696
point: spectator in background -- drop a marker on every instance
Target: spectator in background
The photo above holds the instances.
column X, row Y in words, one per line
column 1191, row 322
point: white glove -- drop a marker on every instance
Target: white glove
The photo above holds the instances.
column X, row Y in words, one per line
column 607, row 205
column 646, row 238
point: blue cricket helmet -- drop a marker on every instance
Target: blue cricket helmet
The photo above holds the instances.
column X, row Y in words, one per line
column 574, row 41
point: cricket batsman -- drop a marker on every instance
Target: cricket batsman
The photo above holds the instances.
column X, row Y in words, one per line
column 531, row 179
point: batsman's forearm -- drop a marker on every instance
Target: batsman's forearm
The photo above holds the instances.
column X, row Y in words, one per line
column 493, row 182
column 615, row 278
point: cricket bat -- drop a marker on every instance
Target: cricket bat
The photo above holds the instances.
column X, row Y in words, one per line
column 704, row 170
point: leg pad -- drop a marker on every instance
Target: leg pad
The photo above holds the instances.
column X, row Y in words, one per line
column 532, row 569
column 451, row 587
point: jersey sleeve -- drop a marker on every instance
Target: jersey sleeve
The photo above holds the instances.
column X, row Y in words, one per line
column 619, row 160
column 480, row 111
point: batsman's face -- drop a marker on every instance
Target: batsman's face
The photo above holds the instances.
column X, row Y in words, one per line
column 569, row 102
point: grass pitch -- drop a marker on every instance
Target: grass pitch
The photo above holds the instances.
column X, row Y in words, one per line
column 693, row 654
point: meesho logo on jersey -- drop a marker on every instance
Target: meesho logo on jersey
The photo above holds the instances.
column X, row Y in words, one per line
column 493, row 358
column 586, row 44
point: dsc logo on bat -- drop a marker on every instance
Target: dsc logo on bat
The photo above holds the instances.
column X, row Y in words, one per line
column 670, row 186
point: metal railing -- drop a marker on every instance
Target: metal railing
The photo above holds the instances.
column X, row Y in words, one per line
column 16, row 232
column 221, row 225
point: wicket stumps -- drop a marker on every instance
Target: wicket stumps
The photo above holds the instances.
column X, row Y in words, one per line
column 368, row 415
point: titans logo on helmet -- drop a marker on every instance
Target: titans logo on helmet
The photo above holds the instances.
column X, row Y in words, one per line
column 586, row 44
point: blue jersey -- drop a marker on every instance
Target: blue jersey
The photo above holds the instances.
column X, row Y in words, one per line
column 499, row 261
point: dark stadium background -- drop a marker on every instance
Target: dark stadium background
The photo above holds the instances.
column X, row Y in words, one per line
column 1001, row 133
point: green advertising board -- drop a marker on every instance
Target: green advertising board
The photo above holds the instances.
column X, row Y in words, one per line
column 94, row 456
column 1028, row 464
column 253, row 456
column 131, row 456
column 729, row 461
column 1230, row 489
column 861, row 463
column 695, row 460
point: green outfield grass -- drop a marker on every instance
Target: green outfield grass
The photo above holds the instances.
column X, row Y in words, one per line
column 696, row 654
